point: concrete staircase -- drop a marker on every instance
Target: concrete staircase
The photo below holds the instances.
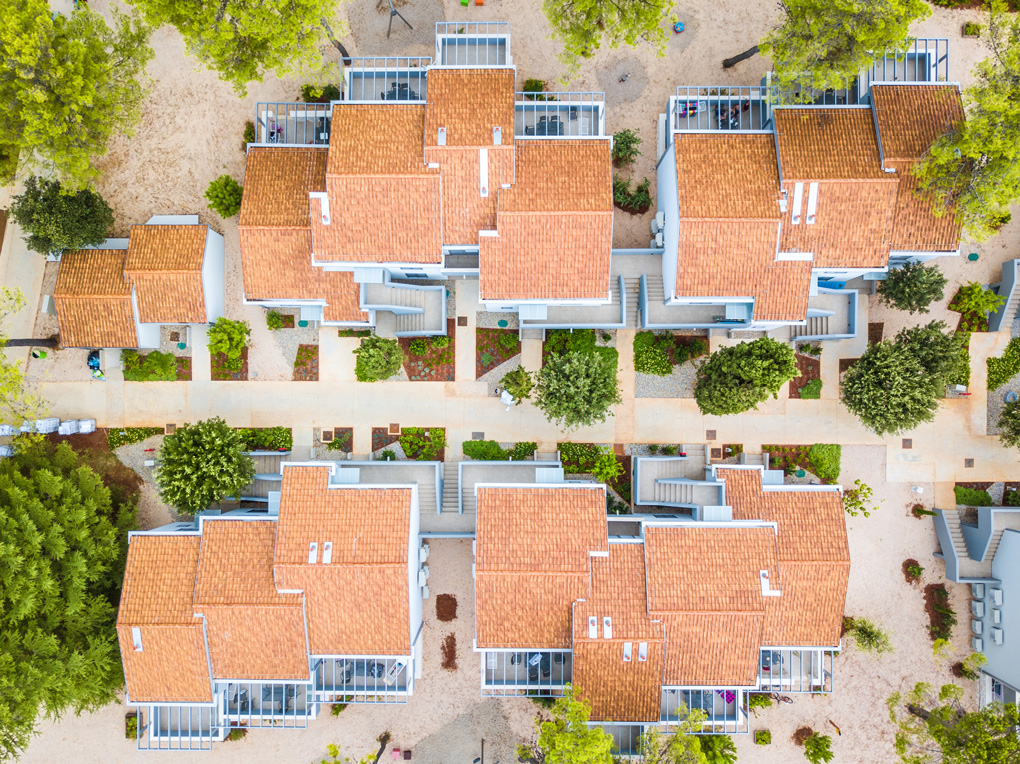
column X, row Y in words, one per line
column 994, row 545
column 817, row 326
column 762, row 459
column 1011, row 308
column 533, row 334
column 451, row 488
column 384, row 296
column 674, row 493
column 956, row 533
column 656, row 291
column 546, row 456
column 427, row 497
column 632, row 289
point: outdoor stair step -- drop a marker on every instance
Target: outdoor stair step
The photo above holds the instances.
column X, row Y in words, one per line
column 533, row 334
column 451, row 487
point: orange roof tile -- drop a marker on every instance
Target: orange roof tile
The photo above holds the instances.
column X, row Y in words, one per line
column 827, row 144
column 619, row 591
column 167, row 297
column 93, row 300
column 172, row 666
column 465, row 210
column 160, row 248
column 526, row 611
column 737, row 258
column 810, row 610
column 618, row 691
column 469, row 103
column 277, row 182
column 560, row 176
column 159, row 580
column 377, row 139
column 916, row 228
column 863, row 207
column 236, row 564
column 727, row 176
column 912, row 117
column 706, row 649
column 257, row 642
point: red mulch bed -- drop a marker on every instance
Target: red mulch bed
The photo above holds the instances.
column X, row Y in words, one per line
column 624, row 483
column 935, row 594
column 450, row 652
column 802, row 734
column 306, row 365
column 906, row 573
column 875, row 332
column 220, row 373
column 183, row 369
column 446, row 607
column 288, row 322
column 381, row 438
column 845, row 364
column 438, row 365
column 487, row 341
column 809, row 368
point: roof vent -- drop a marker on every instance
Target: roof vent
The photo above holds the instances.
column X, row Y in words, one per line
column 483, row 172
column 977, row 591
column 497, row 136
column 327, row 553
column 628, row 651
column 766, row 587
column 313, row 553
column 136, row 638
column 812, row 203
column 607, row 628
column 441, row 138
column 798, row 202
column 324, row 202
column 593, row 627
column 642, row 651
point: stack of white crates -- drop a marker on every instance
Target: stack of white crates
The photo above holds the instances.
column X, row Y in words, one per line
column 68, row 427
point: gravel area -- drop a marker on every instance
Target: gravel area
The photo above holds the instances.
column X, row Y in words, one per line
column 152, row 512
column 679, row 384
column 169, row 345
column 997, row 399
column 495, row 375
column 395, row 447
column 1014, row 328
column 289, row 339
column 486, row 320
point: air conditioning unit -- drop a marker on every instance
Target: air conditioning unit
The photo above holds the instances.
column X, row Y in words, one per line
column 977, row 627
column 424, row 592
column 423, row 553
column 997, row 636
column 996, row 615
column 977, row 644
column 977, row 591
column 658, row 240
column 660, row 218
column 977, row 609
column 996, row 596
column 654, row 225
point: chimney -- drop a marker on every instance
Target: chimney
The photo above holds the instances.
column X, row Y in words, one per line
column 607, row 628
column 497, row 136
column 628, row 651
column 441, row 138
column 324, row 203
column 642, row 651
column 313, row 553
column 593, row 627
column 798, row 202
column 766, row 587
column 812, row 203
column 136, row 638
column 327, row 553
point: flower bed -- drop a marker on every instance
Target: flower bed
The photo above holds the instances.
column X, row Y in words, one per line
column 306, row 365
column 579, row 458
column 941, row 617
column 220, row 372
column 381, row 438
column 491, row 349
column 431, row 359
column 820, row 459
column 266, row 438
column 810, row 369
column 155, row 367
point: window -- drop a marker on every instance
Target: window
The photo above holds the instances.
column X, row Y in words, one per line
column 415, row 275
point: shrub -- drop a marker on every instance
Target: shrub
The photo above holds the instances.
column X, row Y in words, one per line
column 486, row 358
column 971, row 28
column 736, row 379
column 422, row 445
column 337, row 708
column 607, row 337
column 637, row 200
column 249, row 132
column 419, row 346
column 857, row 500
column 972, row 497
column 756, row 700
column 578, row 457
column 560, row 341
column 389, row 455
column 697, row 347
column 914, row 570
column 274, row 320
column 532, row 87
column 762, row 737
column 818, row 748
column 152, row 367
column 607, row 467
column 1005, row 367
column 626, row 147
column 519, row 383
column 377, row 358
column 812, row 390
column 669, row 450
column 869, row 637
column 237, row 733
column 1011, row 498
column 913, row 287
column 653, row 448
column 484, row 450
column 56, row 221
column 440, row 342
column 229, row 338
column 523, row 450
column 825, row 460
column 131, row 726
column 124, row 436
column 508, row 341
column 975, row 298
column 340, row 442
column 575, row 389
column 320, row 93
column 650, row 354
column 266, row 438
column 224, row 196
column 718, row 749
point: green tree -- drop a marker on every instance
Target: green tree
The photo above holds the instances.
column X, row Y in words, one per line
column 224, row 196
column 519, row 383
column 68, row 84
column 934, row 727
column 567, row 739
column 738, row 378
column 939, row 351
column 889, row 390
column 681, row 746
column 827, row 43
column 57, row 222
column 718, row 749
column 974, row 170
column 869, row 637
column 577, row 389
column 201, row 464
column 581, row 25
column 858, row 500
column 607, row 467
column 229, row 338
column 63, row 543
column 1009, row 424
column 18, row 401
column 818, row 748
column 975, row 298
column 913, row 287
column 377, row 358
column 242, row 41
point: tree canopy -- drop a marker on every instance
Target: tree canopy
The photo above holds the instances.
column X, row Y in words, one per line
column 736, row 379
column 63, row 543
column 1009, row 424
column 974, row 170
column 827, row 43
column 57, row 221
column 581, row 25
column 913, row 287
column 242, row 41
column 378, row 358
column 567, row 739
column 17, row 399
column 201, row 464
column 578, row 389
column 939, row 350
column 68, row 84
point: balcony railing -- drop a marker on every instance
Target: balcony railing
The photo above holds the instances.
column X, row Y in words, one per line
column 362, row 680
column 559, row 114
column 293, row 124
column 473, row 43
column 377, row 79
column 260, row 704
column 724, row 709
column 729, row 108
column 795, row 670
column 176, row 728
column 508, row 672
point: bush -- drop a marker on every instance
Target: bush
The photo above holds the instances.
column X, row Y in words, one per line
column 818, row 748
column 152, row 367
column 1009, row 430
column 825, row 460
column 762, row 737
column 1004, row 368
column 962, row 374
column 697, row 347
column 337, row 708
column 483, row 450
column 560, row 341
column 718, row 749
column 131, row 726
column 340, row 442
column 440, row 342
column 653, row 448
column 266, row 438
column 124, row 436
column 975, row 298
column 519, row 383
column 532, row 88
column 237, row 733
column 756, row 700
column 812, row 390
column 56, row 221
column 274, row 320
column 249, row 132
column 913, row 287
column 419, row 346
column 972, row 497
column 377, row 358
column 389, row 455
column 869, row 637
column 523, row 450
column 669, row 450
column 650, row 354
column 575, row 389
column 423, row 445
column 607, row 467
column 736, row 379
column 229, row 338
column 857, row 500
column 637, row 200
column 508, row 341
column 626, row 147
column 971, row 28
column 914, row 570
column 224, row 196
column 320, row 93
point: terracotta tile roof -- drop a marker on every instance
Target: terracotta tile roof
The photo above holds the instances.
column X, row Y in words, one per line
column 93, row 300
column 377, row 139
column 257, row 642
column 161, row 248
column 912, row 117
column 916, row 228
column 469, row 103
column 619, row 591
column 236, row 565
column 524, row 610
column 465, row 210
column 864, row 208
column 727, row 176
column 276, row 238
column 547, row 256
column 560, row 176
column 705, row 649
column 748, row 269
column 159, row 579
column 827, row 144
column 169, row 297
column 277, row 182
column 618, row 691
column 810, row 610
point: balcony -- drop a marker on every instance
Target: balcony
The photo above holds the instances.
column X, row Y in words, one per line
column 176, row 728
column 260, row 704
column 724, row 709
column 362, row 680
column 381, row 79
column 795, row 670
column 559, row 115
column 293, row 124
column 512, row 672
column 712, row 108
column 473, row 44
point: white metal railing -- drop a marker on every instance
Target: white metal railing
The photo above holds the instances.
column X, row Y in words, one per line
column 519, row 672
column 563, row 114
column 473, row 43
column 788, row 670
column 362, row 680
column 732, row 108
column 386, row 78
column 293, row 124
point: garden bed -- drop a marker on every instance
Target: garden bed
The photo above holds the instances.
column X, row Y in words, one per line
column 579, row 459
column 220, row 372
column 155, row 367
column 810, row 369
column 490, row 351
column 266, row 438
column 941, row 617
column 416, row 443
column 655, row 353
column 876, row 330
column 381, row 438
column 438, row 361
column 845, row 364
column 333, row 443
column 910, row 567
column 306, row 365
column 822, row 460
column 446, row 607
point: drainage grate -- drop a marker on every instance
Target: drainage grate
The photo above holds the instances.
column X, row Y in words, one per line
column 170, row 429
column 478, row 436
column 709, row 434
column 717, row 453
column 394, row 428
column 908, row 443
column 461, row 320
column 968, row 463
